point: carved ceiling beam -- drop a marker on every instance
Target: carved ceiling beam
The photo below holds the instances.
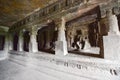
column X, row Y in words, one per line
column 82, row 12
column 52, row 9
column 83, row 20
column 70, row 12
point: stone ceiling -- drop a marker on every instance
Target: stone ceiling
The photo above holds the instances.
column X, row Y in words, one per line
column 14, row 10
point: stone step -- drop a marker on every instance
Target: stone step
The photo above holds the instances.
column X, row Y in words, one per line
column 91, row 61
column 59, row 75
column 80, row 60
column 60, row 67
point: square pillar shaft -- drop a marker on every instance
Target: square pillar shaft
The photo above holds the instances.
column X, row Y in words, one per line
column 33, row 46
column 61, row 44
column 20, row 42
column 112, row 41
column 112, row 47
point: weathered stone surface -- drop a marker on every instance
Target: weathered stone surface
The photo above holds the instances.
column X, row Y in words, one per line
column 20, row 43
column 33, row 44
column 79, row 68
column 15, row 10
column 112, row 47
column 60, row 48
column 113, row 25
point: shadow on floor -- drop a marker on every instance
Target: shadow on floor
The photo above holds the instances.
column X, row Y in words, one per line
column 85, row 53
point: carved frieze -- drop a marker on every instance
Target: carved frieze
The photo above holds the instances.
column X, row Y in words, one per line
column 54, row 7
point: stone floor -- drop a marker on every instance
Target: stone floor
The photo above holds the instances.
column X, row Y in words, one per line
column 10, row 70
column 49, row 67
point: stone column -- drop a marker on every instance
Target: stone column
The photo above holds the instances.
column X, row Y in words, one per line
column 6, row 46
column 112, row 41
column 10, row 44
column 61, row 44
column 113, row 24
column 33, row 46
column 20, row 41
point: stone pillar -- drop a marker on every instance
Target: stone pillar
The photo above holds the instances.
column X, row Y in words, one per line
column 6, row 46
column 112, row 41
column 113, row 24
column 6, row 43
column 61, row 44
column 33, row 46
column 10, row 44
column 20, row 41
column 70, row 38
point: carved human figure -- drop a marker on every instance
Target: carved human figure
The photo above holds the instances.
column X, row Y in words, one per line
column 87, row 44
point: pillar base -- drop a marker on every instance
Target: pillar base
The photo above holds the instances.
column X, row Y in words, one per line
column 33, row 47
column 113, row 33
column 60, row 48
column 111, row 47
column 20, row 48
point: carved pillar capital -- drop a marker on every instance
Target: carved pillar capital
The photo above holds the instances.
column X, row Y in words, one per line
column 21, row 33
column 61, row 25
column 109, row 12
column 33, row 30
